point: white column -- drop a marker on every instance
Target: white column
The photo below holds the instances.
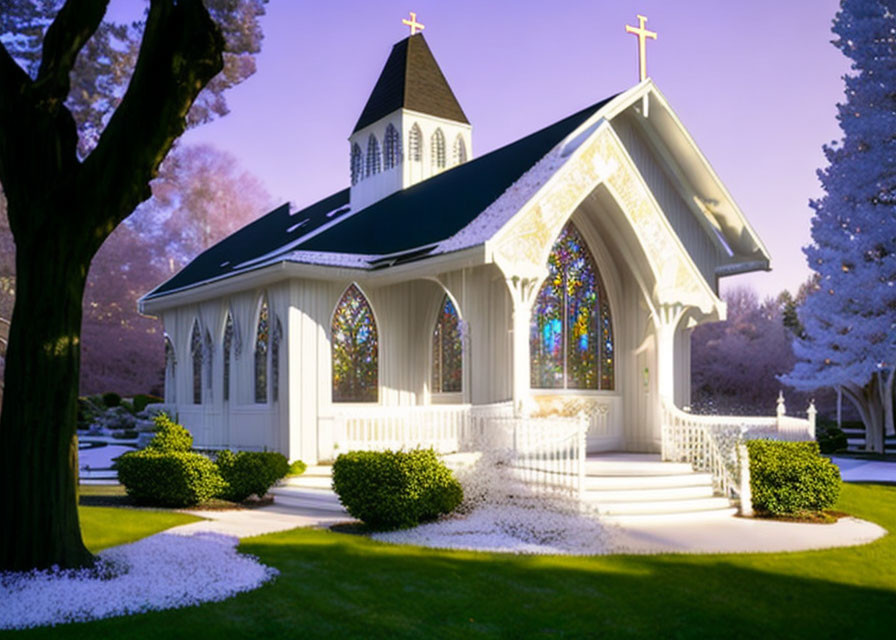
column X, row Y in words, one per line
column 522, row 293
column 666, row 322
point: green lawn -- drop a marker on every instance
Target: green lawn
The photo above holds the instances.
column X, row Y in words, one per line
column 109, row 526
column 337, row 585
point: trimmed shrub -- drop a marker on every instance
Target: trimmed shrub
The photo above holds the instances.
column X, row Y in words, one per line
column 791, row 477
column 249, row 472
column 296, row 468
column 169, row 478
column 89, row 407
column 395, row 489
column 111, row 399
column 170, row 436
column 830, row 437
column 142, row 399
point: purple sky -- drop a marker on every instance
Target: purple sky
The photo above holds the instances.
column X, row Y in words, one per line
column 755, row 83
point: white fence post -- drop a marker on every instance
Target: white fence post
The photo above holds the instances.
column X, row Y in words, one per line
column 812, row 412
column 746, row 493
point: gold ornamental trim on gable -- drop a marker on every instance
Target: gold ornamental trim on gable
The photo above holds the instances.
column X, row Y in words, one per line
column 527, row 240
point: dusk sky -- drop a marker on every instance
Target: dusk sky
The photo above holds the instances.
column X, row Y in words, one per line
column 755, row 83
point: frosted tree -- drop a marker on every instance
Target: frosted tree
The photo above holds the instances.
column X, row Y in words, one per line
column 850, row 319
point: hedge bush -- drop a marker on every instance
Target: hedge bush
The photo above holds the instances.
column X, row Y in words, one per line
column 830, row 437
column 169, row 478
column 296, row 468
column 143, row 399
column 170, row 436
column 111, row 399
column 395, row 489
column 791, row 477
column 249, row 472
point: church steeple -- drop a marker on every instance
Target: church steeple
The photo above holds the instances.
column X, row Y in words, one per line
column 411, row 128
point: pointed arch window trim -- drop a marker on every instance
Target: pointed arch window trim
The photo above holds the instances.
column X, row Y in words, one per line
column 459, row 150
column 571, row 335
column 354, row 359
column 196, row 357
column 447, row 349
column 437, row 144
column 356, row 165
column 374, row 157
column 262, row 347
column 391, row 148
column 415, row 144
column 170, row 371
column 227, row 353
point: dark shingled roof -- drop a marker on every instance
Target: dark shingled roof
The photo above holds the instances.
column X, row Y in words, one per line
column 411, row 79
column 269, row 233
column 412, row 221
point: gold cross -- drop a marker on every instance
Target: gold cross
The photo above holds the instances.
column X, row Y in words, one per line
column 412, row 23
column 642, row 34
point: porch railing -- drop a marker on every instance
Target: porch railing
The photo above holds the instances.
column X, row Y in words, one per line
column 711, row 443
column 546, row 453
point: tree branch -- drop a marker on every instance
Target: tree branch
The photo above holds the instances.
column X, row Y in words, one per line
column 69, row 32
column 181, row 51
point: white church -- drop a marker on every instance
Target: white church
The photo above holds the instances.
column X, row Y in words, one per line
column 561, row 274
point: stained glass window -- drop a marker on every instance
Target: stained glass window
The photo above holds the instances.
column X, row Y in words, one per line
column 261, row 353
column 170, row 368
column 460, row 150
column 355, row 349
column 374, row 160
column 196, row 355
column 275, row 359
column 415, row 144
column 447, row 350
column 356, row 164
column 227, row 348
column 391, row 148
column 437, row 145
column 571, row 338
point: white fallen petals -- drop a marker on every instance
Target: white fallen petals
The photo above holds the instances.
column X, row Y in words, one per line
column 163, row 571
column 502, row 514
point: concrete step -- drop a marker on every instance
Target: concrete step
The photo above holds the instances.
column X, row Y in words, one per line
column 669, row 518
column 307, row 499
column 662, row 506
column 610, row 496
column 635, row 467
column 308, row 482
column 631, row 482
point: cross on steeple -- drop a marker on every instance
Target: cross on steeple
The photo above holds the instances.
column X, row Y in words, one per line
column 412, row 23
column 642, row 34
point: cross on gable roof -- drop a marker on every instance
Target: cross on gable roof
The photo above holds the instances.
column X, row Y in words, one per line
column 411, row 79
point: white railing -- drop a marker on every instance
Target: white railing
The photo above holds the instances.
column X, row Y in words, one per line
column 440, row 427
column 546, row 453
column 711, row 443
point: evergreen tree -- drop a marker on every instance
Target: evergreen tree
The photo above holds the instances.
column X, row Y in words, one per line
column 850, row 319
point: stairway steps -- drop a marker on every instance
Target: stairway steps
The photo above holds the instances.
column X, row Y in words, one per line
column 662, row 506
column 620, row 467
column 604, row 496
column 632, row 482
column 669, row 518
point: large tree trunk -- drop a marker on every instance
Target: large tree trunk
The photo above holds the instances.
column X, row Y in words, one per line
column 60, row 210
column 867, row 401
column 37, row 425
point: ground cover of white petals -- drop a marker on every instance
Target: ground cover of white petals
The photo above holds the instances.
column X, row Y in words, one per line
column 163, row 571
column 512, row 528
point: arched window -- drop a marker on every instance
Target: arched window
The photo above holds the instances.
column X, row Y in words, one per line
column 227, row 348
column 355, row 349
column 357, row 165
column 415, row 144
column 262, row 335
column 196, row 356
column 276, row 337
column 459, row 153
column 208, row 353
column 438, row 149
column 447, row 350
column 374, row 162
column 391, row 148
column 571, row 338
column 170, row 369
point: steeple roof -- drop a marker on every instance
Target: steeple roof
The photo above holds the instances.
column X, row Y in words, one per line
column 413, row 80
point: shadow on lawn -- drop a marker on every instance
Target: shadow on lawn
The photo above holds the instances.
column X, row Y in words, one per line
column 336, row 585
